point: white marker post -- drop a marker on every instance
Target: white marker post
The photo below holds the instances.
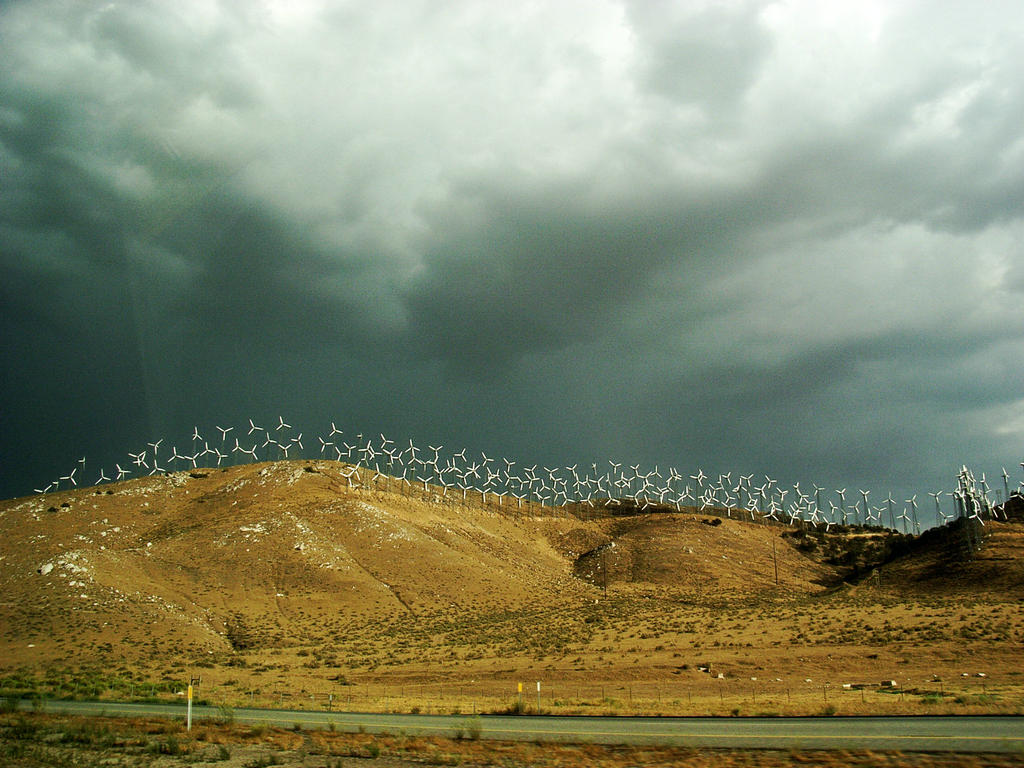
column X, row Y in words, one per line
column 192, row 682
column 538, row 697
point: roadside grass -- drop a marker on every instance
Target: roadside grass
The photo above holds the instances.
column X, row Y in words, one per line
column 34, row 740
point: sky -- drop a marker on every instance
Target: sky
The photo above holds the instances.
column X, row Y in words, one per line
column 781, row 238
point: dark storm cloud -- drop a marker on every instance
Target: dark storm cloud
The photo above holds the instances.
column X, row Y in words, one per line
column 707, row 56
column 784, row 236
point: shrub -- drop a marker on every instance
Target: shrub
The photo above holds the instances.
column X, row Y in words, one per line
column 24, row 728
column 169, row 747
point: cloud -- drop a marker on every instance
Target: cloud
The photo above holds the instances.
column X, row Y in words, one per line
column 701, row 232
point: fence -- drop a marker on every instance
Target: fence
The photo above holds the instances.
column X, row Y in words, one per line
column 709, row 696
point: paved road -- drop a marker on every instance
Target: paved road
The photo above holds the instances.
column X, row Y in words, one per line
column 955, row 734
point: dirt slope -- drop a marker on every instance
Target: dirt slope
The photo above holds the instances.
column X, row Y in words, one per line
column 247, row 555
column 963, row 557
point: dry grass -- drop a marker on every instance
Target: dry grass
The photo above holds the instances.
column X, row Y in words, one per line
column 31, row 741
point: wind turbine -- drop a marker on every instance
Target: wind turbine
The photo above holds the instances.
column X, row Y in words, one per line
column 842, row 502
column 174, row 456
column 912, row 501
column 938, row 507
column 817, row 495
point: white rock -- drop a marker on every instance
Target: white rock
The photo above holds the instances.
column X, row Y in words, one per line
column 46, row 568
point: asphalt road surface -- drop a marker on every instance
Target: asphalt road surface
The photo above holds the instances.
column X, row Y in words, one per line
column 952, row 734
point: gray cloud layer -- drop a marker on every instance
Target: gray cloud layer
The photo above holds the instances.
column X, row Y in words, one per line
column 757, row 236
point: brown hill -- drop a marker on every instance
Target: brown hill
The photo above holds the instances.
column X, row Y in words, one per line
column 699, row 552
column 281, row 574
column 248, row 556
column 964, row 556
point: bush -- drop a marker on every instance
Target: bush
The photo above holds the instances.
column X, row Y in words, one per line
column 169, row 747
column 24, row 728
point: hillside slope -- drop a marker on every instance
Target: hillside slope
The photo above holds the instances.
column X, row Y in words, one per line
column 281, row 574
column 251, row 555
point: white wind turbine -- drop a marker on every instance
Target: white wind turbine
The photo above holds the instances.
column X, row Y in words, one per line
column 175, row 456
column 889, row 501
column 912, row 501
column 904, row 517
column 939, row 514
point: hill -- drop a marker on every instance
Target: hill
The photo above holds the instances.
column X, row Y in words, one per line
column 290, row 576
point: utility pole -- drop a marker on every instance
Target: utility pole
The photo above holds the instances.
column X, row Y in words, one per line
column 604, row 570
column 775, row 562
